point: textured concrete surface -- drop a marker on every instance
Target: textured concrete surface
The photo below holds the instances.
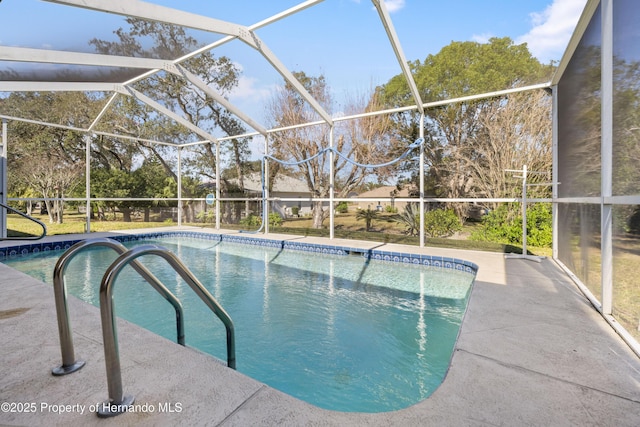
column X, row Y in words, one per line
column 532, row 351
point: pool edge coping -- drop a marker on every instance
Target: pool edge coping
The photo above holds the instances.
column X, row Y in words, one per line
column 10, row 251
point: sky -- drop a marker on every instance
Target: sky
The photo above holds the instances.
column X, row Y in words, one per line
column 340, row 39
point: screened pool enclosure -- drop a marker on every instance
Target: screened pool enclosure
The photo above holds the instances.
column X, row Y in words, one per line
column 595, row 91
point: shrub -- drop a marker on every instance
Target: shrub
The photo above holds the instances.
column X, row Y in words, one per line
column 391, row 209
column 498, row 226
column 275, row 220
column 342, row 207
column 437, row 222
column 441, row 223
column 251, row 220
column 206, row 216
column 634, row 222
column 504, row 225
column 539, row 225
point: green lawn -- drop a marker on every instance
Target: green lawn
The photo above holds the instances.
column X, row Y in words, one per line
column 346, row 227
column 72, row 223
column 384, row 229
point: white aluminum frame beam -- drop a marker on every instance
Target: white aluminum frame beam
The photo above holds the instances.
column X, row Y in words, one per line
column 77, row 129
column 252, row 40
column 74, row 58
column 63, row 57
column 23, row 54
column 606, row 147
column 104, row 110
column 227, row 39
column 28, row 86
column 216, row 96
column 589, row 9
column 165, row 111
column 343, row 118
column 3, row 179
column 153, row 12
column 397, row 49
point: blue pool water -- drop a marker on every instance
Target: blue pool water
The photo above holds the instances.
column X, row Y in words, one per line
column 341, row 332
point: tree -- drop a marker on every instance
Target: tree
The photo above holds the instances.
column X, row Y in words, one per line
column 455, row 134
column 515, row 132
column 60, row 152
column 113, row 183
column 160, row 40
column 363, row 141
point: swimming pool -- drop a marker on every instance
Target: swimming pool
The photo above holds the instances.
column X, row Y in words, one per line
column 348, row 333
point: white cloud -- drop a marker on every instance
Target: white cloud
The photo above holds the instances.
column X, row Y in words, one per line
column 394, row 5
column 247, row 88
column 482, row 38
column 391, row 5
column 250, row 97
column 552, row 29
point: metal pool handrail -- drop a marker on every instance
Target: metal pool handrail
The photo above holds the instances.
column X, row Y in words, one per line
column 69, row 364
column 40, row 223
column 117, row 402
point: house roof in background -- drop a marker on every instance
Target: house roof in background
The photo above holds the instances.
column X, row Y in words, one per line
column 384, row 191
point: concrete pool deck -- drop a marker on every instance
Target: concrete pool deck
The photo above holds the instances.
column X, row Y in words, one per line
column 531, row 351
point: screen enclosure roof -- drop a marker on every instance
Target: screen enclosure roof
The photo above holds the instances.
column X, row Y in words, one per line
column 257, row 35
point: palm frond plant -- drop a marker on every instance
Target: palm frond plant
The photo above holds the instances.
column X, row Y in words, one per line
column 368, row 215
column 410, row 218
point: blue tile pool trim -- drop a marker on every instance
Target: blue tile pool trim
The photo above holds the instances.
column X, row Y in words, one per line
column 372, row 254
